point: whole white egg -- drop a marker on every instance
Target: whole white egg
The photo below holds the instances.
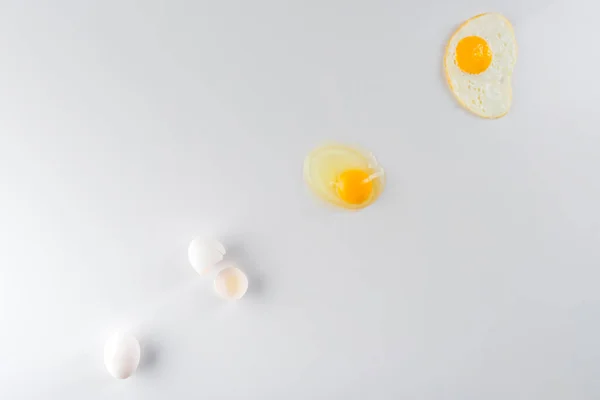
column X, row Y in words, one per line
column 122, row 355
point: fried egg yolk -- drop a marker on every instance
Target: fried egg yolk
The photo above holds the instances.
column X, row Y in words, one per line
column 354, row 186
column 473, row 55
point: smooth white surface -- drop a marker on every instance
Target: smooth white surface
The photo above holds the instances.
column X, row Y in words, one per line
column 129, row 127
column 205, row 253
column 121, row 355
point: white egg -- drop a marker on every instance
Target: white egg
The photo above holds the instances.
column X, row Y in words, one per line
column 231, row 283
column 479, row 62
column 204, row 253
column 121, row 355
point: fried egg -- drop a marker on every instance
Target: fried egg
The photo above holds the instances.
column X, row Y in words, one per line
column 344, row 176
column 479, row 62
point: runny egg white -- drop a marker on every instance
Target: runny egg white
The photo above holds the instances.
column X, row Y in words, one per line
column 479, row 62
column 344, row 176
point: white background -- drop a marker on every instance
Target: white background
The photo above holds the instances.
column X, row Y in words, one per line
column 129, row 127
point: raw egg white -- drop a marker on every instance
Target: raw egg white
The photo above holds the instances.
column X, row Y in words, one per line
column 479, row 62
column 231, row 283
column 344, row 176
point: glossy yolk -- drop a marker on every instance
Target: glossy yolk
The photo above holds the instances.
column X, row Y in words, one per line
column 473, row 55
column 354, row 186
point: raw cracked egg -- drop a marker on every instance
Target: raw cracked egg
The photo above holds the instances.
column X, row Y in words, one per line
column 479, row 62
column 344, row 176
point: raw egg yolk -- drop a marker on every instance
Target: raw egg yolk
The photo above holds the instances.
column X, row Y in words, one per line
column 473, row 55
column 354, row 186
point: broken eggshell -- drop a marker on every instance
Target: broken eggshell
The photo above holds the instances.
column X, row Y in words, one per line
column 204, row 253
column 231, row 283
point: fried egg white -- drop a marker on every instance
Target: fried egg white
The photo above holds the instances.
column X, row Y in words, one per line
column 344, row 176
column 479, row 62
